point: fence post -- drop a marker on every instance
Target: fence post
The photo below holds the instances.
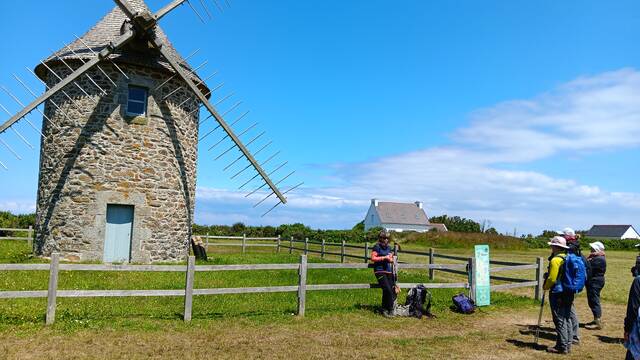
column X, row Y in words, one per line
column 395, row 249
column 302, row 285
column 539, row 278
column 278, row 245
column 472, row 278
column 207, row 241
column 188, row 288
column 244, row 242
column 322, row 249
column 291, row 245
column 30, row 237
column 431, row 261
column 366, row 252
column 53, row 288
column 306, row 245
column 342, row 252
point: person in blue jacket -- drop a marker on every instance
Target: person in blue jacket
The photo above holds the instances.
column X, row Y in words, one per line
column 382, row 257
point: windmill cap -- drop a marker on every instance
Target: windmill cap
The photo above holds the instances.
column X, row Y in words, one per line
column 567, row 232
column 558, row 241
column 597, row 246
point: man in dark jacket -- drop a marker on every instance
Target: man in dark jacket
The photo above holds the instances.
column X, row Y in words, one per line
column 382, row 257
column 595, row 282
column 632, row 311
column 635, row 270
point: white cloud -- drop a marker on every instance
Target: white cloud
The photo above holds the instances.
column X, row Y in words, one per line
column 599, row 112
column 19, row 206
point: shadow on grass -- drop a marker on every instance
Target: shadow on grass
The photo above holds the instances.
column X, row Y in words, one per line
column 545, row 332
column 609, row 339
column 366, row 307
column 529, row 345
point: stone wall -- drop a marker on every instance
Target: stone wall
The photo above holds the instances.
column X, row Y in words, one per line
column 107, row 157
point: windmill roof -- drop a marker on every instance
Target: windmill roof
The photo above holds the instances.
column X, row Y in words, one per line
column 107, row 30
column 401, row 213
column 608, row 230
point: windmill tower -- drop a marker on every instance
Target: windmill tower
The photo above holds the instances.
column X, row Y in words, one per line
column 119, row 142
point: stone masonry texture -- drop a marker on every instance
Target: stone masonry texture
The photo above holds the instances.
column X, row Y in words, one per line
column 94, row 154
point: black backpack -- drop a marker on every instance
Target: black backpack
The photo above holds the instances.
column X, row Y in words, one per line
column 417, row 297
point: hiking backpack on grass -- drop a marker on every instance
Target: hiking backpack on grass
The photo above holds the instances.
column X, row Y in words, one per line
column 574, row 273
column 462, row 304
column 417, row 297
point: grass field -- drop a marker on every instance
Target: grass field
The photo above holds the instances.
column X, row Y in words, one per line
column 342, row 324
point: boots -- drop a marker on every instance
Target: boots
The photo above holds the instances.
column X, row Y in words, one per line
column 598, row 323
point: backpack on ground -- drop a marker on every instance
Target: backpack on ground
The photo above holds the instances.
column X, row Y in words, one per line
column 462, row 304
column 574, row 273
column 417, row 297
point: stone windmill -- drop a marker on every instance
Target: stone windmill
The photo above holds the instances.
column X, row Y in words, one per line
column 119, row 141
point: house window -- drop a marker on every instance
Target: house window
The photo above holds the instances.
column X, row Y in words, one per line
column 137, row 101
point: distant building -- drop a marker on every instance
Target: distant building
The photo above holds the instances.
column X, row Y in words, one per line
column 399, row 217
column 613, row 232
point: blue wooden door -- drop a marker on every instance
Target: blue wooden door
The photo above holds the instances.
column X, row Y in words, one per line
column 117, row 242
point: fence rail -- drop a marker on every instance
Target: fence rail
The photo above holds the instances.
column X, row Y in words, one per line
column 52, row 293
column 466, row 268
column 28, row 237
column 458, row 269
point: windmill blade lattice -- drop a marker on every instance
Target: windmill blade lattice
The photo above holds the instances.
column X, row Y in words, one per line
column 143, row 25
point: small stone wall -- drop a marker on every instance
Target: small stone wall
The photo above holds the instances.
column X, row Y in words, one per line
column 107, row 157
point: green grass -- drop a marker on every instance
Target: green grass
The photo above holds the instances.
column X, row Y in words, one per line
column 156, row 313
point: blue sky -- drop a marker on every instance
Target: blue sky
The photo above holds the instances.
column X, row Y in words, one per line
column 525, row 114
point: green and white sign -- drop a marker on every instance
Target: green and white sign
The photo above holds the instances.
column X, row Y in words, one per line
column 482, row 277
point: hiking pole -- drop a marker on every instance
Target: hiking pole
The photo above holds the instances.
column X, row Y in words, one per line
column 540, row 318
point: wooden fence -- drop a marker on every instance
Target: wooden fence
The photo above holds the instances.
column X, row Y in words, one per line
column 245, row 241
column 346, row 251
column 54, row 267
column 459, row 268
column 28, row 237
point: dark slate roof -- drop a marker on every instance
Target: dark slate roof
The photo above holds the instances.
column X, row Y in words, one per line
column 401, row 213
column 611, row 231
column 107, row 30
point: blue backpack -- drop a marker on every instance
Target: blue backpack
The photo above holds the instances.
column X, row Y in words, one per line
column 462, row 304
column 574, row 273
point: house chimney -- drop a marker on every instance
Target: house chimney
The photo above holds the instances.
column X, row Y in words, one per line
column 374, row 202
column 419, row 204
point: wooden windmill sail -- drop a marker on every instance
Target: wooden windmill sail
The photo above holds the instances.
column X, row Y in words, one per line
column 119, row 141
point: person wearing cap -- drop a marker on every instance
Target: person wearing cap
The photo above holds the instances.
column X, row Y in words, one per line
column 559, row 300
column 595, row 282
column 382, row 257
column 573, row 245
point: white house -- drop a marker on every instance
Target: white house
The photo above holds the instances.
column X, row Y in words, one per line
column 399, row 217
column 613, row 232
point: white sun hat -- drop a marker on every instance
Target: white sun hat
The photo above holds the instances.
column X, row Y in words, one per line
column 558, row 241
column 567, row 231
column 597, row 246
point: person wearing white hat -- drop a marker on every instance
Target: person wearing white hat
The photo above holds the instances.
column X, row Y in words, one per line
column 595, row 282
column 559, row 300
column 573, row 244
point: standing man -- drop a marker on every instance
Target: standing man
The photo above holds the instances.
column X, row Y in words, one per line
column 595, row 282
column 573, row 243
column 559, row 300
column 635, row 270
column 632, row 314
column 382, row 257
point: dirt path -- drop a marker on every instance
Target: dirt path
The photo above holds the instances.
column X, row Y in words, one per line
column 507, row 335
